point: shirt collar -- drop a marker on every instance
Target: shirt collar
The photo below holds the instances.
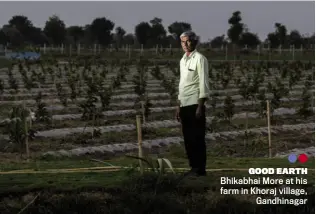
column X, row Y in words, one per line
column 191, row 54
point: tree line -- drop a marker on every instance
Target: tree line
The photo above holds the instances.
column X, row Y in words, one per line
column 20, row 32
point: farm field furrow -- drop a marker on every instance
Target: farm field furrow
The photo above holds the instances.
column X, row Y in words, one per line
column 128, row 147
column 96, row 105
column 118, row 98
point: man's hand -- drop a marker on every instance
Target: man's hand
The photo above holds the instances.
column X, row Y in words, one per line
column 198, row 112
column 178, row 114
column 200, row 107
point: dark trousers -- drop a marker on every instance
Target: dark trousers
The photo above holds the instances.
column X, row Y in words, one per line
column 193, row 130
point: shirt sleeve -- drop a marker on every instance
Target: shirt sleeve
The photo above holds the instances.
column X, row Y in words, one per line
column 203, row 78
column 179, row 80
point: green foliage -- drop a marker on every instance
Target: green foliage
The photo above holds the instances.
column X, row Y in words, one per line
column 89, row 109
column 73, row 82
column 214, row 100
column 170, row 86
column 55, row 29
column 229, row 108
column 250, row 87
column 147, row 106
column 1, row 86
column 177, row 28
column 96, row 133
column 278, row 90
column 62, row 94
column 236, row 27
column 309, row 81
column 18, row 128
column 142, row 32
column 262, row 103
column 155, row 165
column 12, row 81
column 139, row 80
column 41, row 113
column 305, row 109
column 100, row 30
column 155, row 72
column 175, row 71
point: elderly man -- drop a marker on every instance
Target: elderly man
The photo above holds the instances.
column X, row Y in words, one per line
column 193, row 92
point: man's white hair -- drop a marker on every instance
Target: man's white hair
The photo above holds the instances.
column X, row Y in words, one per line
column 192, row 36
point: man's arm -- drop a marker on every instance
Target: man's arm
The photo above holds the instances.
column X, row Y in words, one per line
column 178, row 98
column 201, row 101
column 203, row 81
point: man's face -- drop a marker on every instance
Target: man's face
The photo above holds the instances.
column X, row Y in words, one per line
column 186, row 44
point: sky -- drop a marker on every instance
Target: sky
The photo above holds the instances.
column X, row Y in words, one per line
column 208, row 19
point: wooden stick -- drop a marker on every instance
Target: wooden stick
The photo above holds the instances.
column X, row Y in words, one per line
column 246, row 131
column 140, row 149
column 26, row 140
column 143, row 111
column 269, row 128
column 21, row 211
column 258, row 52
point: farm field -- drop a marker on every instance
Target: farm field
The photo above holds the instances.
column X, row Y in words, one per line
column 85, row 110
column 215, row 54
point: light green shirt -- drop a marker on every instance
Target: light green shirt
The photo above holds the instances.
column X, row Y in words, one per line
column 194, row 79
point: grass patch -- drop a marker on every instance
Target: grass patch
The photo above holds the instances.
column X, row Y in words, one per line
column 124, row 192
column 4, row 63
column 175, row 154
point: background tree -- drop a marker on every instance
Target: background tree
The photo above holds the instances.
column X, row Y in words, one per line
column 87, row 37
column 13, row 36
column 281, row 32
column 177, row 28
column 23, row 25
column 158, row 32
column 119, row 35
column 129, row 39
column 309, row 40
column 278, row 37
column 20, row 32
column 236, row 27
column 76, row 33
column 3, row 38
column 218, row 41
column 100, row 29
column 273, row 40
column 55, row 30
column 170, row 40
column 37, row 36
column 249, row 39
column 143, row 32
column 295, row 38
